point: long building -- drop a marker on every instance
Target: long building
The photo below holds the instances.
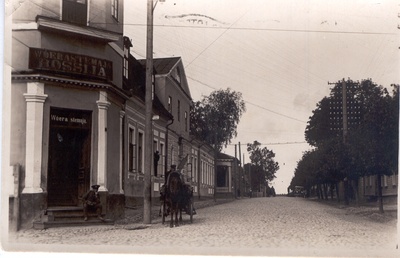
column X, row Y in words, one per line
column 74, row 115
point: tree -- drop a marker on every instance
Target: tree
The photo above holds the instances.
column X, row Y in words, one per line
column 374, row 144
column 371, row 145
column 214, row 119
column 263, row 166
column 318, row 130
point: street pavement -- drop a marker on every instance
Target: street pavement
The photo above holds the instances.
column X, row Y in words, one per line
column 275, row 226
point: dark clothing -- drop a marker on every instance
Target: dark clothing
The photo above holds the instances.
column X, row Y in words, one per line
column 91, row 202
column 156, row 159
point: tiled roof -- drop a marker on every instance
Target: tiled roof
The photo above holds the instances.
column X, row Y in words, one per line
column 162, row 65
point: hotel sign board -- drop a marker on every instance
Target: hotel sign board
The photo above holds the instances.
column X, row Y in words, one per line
column 69, row 63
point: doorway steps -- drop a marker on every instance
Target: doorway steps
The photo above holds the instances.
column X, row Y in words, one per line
column 67, row 216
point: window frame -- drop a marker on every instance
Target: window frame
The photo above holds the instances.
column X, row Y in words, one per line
column 73, row 4
column 115, row 9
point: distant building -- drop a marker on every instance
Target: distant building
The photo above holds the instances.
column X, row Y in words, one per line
column 227, row 179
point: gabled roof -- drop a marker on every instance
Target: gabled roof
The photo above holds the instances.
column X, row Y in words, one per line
column 162, row 65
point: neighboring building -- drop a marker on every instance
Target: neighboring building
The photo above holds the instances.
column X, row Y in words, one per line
column 172, row 89
column 66, row 107
column 134, row 137
column 201, row 168
column 227, row 180
column 368, row 187
column 194, row 158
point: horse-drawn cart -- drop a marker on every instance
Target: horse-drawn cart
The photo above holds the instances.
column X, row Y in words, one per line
column 176, row 197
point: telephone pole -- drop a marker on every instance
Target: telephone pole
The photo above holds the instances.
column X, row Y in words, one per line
column 148, row 123
column 344, row 111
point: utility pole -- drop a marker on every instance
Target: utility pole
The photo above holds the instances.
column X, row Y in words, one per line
column 235, row 173
column 240, row 172
column 148, row 113
column 344, row 115
column 344, row 108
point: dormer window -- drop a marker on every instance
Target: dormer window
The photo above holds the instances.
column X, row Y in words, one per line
column 74, row 11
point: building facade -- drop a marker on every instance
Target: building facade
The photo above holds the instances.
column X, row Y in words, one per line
column 228, row 176
column 66, row 106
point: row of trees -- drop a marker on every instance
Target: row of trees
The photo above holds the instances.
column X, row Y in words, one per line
column 214, row 120
column 369, row 148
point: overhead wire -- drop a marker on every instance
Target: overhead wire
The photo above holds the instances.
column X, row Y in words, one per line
column 270, row 29
column 256, row 105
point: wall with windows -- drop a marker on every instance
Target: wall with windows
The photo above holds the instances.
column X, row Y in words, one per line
column 389, row 185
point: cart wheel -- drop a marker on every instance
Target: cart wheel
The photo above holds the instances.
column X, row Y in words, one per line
column 163, row 210
column 191, row 211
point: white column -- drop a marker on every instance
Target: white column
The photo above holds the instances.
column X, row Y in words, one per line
column 121, row 150
column 102, row 105
column 35, row 99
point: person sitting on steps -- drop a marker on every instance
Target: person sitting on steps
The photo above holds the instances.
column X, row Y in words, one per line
column 91, row 201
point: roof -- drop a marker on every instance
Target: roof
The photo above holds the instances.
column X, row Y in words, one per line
column 162, row 65
column 224, row 156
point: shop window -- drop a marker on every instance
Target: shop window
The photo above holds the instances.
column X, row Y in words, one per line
column 75, row 11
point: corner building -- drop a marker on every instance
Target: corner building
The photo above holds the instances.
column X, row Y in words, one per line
column 66, row 109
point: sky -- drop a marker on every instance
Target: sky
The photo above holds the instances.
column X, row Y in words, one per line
column 280, row 54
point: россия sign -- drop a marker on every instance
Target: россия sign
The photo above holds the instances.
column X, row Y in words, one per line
column 56, row 61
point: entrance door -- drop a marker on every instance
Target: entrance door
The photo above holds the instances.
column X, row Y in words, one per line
column 69, row 164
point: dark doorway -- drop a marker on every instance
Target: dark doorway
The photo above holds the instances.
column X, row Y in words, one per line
column 69, row 161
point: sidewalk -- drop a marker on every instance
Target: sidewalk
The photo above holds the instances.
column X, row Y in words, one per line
column 135, row 215
column 366, row 210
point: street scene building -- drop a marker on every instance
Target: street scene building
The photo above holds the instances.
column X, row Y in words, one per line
column 77, row 115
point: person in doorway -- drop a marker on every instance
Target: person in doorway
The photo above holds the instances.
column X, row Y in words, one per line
column 156, row 159
column 91, row 201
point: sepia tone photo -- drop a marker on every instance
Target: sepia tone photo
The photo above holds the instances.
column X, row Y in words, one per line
column 257, row 128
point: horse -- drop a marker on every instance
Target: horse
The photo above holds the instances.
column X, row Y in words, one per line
column 173, row 196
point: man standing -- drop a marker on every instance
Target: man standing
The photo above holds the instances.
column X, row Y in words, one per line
column 91, row 201
column 156, row 159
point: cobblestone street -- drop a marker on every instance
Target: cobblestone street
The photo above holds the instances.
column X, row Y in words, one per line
column 257, row 226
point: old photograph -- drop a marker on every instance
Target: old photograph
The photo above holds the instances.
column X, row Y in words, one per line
column 257, row 128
